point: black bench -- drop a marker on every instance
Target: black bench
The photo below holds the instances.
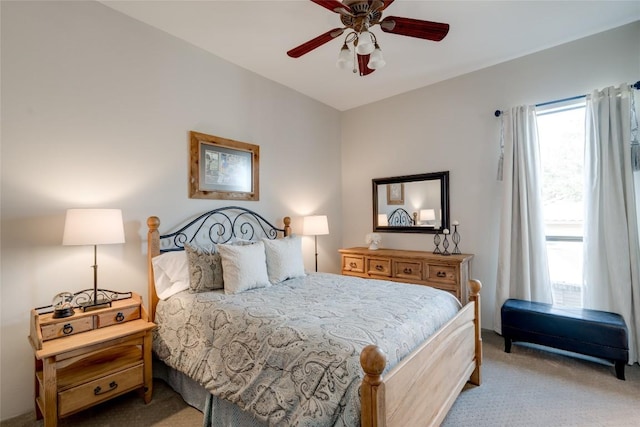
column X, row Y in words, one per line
column 590, row 332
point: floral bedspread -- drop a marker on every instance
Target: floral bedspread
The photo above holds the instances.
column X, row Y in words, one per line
column 289, row 353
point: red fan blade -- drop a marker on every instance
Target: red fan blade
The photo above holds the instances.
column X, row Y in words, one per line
column 307, row 47
column 363, row 60
column 334, row 6
column 435, row 31
column 386, row 4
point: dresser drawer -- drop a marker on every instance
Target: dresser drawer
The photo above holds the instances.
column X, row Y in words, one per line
column 85, row 395
column 64, row 329
column 379, row 267
column 441, row 273
column 353, row 263
column 117, row 316
column 410, row 270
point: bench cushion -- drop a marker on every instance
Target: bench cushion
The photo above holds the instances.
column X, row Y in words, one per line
column 591, row 332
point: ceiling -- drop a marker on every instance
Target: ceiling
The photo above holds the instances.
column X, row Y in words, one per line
column 256, row 35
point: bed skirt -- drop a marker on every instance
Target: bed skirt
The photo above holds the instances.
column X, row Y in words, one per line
column 216, row 412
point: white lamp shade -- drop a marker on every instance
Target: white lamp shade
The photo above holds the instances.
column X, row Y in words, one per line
column 365, row 43
column 376, row 61
column 383, row 220
column 427, row 214
column 315, row 225
column 93, row 227
column 345, row 58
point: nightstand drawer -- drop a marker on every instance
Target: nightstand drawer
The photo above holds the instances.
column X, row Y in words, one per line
column 411, row 270
column 441, row 273
column 88, row 394
column 117, row 316
column 66, row 328
column 379, row 267
column 354, row 264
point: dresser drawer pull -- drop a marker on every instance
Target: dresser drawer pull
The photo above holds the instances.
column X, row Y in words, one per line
column 379, row 267
column 408, row 270
column 353, row 265
column 119, row 317
column 98, row 390
column 441, row 274
column 67, row 329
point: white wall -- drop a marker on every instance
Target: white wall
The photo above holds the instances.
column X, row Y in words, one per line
column 451, row 126
column 96, row 110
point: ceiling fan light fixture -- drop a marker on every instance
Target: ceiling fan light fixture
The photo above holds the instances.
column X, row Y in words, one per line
column 376, row 61
column 365, row 43
column 344, row 58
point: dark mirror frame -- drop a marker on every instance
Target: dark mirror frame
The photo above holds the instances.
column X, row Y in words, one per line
column 443, row 177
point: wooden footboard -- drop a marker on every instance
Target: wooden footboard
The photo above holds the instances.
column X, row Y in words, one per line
column 421, row 389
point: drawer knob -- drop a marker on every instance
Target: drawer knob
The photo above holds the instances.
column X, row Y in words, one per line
column 353, row 265
column 408, row 270
column 441, row 274
column 379, row 267
column 67, row 329
column 98, row 390
column 119, row 317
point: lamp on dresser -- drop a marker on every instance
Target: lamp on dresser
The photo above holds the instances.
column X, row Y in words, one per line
column 315, row 225
column 93, row 227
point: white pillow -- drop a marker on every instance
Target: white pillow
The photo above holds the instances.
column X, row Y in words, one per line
column 284, row 258
column 243, row 267
column 170, row 273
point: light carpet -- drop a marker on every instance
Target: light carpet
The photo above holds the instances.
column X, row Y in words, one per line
column 528, row 387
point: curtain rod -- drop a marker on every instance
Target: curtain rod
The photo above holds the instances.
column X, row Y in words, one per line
column 498, row 113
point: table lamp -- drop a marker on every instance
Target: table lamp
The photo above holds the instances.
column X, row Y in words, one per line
column 93, row 227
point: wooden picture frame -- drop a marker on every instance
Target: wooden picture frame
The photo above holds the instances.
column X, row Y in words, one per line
column 395, row 193
column 224, row 169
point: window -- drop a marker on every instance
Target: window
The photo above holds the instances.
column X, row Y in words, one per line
column 561, row 136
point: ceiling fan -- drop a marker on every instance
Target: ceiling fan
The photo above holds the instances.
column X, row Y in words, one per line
column 359, row 16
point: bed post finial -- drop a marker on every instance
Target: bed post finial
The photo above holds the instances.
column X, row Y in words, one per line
column 373, row 362
column 287, row 226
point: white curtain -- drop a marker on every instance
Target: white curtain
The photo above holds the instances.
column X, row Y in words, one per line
column 611, row 248
column 523, row 271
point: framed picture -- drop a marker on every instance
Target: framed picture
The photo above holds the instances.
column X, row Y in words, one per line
column 395, row 194
column 222, row 168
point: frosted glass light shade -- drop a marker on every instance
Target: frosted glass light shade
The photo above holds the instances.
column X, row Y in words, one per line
column 93, row 227
column 345, row 58
column 365, row 43
column 376, row 60
column 315, row 225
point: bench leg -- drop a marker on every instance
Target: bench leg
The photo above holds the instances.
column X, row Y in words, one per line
column 620, row 370
column 507, row 344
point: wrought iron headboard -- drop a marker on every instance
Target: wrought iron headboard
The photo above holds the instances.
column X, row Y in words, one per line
column 222, row 225
column 400, row 217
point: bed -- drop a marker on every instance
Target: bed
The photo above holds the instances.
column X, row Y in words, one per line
column 334, row 373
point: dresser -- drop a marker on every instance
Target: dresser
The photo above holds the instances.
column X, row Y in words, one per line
column 90, row 357
column 449, row 273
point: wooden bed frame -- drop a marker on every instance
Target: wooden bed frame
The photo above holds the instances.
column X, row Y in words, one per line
column 423, row 386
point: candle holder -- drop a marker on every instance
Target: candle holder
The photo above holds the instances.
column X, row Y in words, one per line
column 436, row 241
column 455, row 238
column 445, row 243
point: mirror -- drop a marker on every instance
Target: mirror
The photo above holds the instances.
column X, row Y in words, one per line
column 411, row 203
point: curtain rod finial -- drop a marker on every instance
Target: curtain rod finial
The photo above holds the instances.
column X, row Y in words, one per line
column 497, row 113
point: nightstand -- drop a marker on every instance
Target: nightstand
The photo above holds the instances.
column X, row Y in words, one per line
column 90, row 357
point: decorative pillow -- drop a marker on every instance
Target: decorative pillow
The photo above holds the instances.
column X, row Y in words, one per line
column 170, row 273
column 243, row 267
column 205, row 269
column 284, row 258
